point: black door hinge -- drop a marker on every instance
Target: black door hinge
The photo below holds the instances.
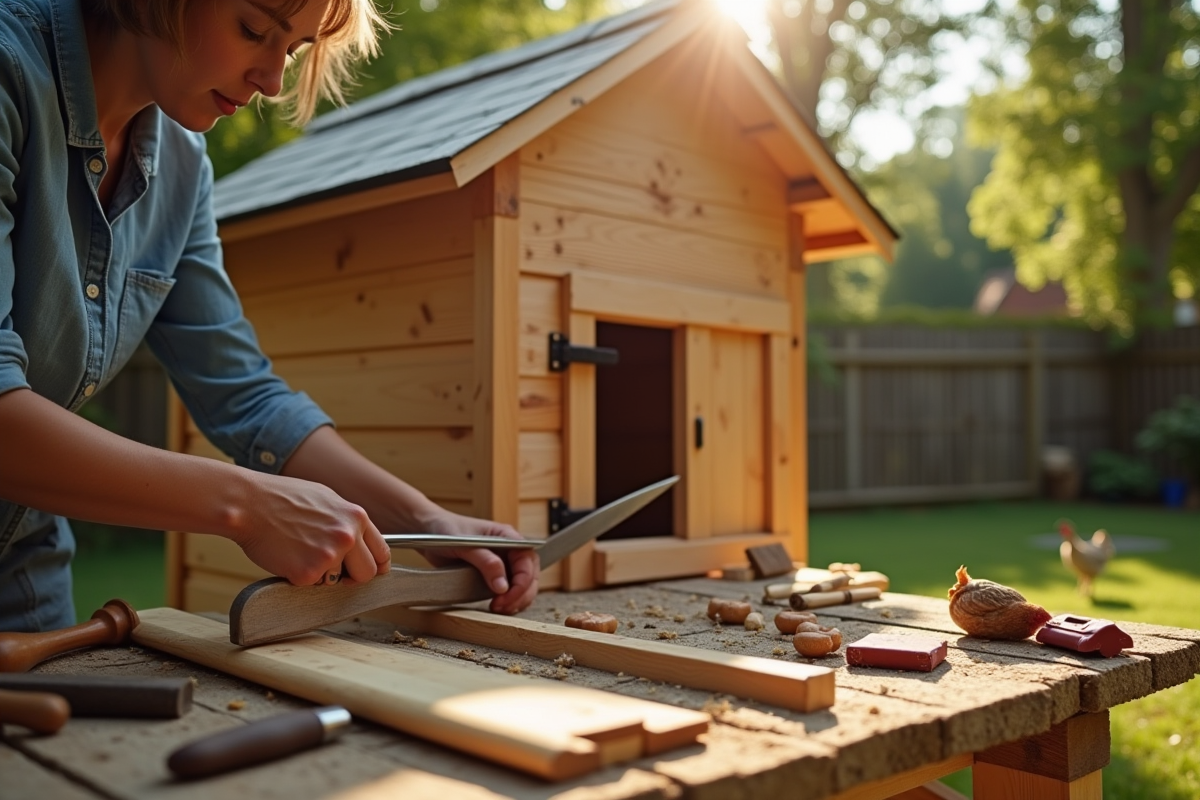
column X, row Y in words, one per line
column 561, row 516
column 563, row 354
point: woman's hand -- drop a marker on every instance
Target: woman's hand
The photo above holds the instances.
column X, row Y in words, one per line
column 513, row 577
column 304, row 532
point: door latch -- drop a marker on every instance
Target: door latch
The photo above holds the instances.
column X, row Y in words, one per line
column 563, row 354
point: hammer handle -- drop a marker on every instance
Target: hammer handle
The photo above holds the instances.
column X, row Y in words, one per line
column 41, row 712
column 110, row 625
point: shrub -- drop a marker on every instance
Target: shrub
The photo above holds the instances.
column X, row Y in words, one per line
column 1115, row 476
column 1175, row 431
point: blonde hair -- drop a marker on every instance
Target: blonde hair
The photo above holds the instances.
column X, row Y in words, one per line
column 349, row 33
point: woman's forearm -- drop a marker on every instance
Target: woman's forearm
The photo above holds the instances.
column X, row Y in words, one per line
column 55, row 461
column 393, row 505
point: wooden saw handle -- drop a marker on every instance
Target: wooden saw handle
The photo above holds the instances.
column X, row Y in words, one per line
column 41, row 712
column 110, row 625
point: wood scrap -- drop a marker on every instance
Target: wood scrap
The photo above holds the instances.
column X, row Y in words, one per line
column 548, row 729
column 788, row 684
column 769, row 560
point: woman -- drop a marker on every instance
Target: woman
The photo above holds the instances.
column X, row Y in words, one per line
column 107, row 237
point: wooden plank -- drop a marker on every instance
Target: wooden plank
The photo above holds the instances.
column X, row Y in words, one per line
column 26, row 778
column 540, row 460
column 798, row 415
column 438, row 462
column 541, row 315
column 992, row 782
column 574, row 192
column 649, row 302
column 791, row 685
column 778, row 434
column 661, row 557
column 734, row 433
column 430, row 230
column 209, row 591
column 696, row 464
column 556, row 241
column 578, row 455
column 476, row 159
column 898, row 785
column 409, row 387
column 540, row 403
column 429, row 304
column 497, row 301
column 347, row 205
column 1067, row 752
column 548, row 729
column 625, row 147
column 216, row 554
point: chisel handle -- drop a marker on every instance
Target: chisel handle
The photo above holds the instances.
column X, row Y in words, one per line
column 110, row 625
column 263, row 740
column 41, row 712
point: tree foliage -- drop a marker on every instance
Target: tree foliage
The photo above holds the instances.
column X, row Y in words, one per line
column 838, row 58
column 430, row 35
column 1095, row 178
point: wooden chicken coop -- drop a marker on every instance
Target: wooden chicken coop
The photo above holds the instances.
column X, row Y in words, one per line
column 439, row 266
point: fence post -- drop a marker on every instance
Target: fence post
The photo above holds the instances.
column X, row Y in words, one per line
column 1036, row 407
column 852, row 374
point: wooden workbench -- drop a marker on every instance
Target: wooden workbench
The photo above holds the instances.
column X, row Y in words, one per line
column 1032, row 720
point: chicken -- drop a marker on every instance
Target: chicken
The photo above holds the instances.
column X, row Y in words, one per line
column 1086, row 558
column 991, row 610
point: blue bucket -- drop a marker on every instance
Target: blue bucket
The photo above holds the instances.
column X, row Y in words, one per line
column 1174, row 492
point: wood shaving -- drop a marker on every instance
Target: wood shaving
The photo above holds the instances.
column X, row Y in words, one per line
column 466, row 654
column 400, row 638
column 630, row 624
column 236, row 705
column 679, row 618
column 668, row 635
column 420, row 643
column 655, row 611
column 648, row 625
column 631, row 604
column 873, row 710
column 885, row 613
column 565, row 660
column 717, row 707
column 515, row 669
column 778, row 651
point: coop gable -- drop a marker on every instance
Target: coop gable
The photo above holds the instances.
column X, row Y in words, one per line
column 438, row 133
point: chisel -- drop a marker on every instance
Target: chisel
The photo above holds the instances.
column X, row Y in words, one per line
column 260, row 741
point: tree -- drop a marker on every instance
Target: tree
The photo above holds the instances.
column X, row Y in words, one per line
column 1098, row 154
column 430, row 35
column 838, row 58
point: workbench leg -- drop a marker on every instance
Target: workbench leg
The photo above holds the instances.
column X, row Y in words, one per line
column 1064, row 763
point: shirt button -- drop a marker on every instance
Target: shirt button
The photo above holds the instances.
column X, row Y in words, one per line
column 89, row 390
column 267, row 457
column 96, row 166
column 93, row 291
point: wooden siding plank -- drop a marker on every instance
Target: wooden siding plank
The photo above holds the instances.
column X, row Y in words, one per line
column 540, row 473
column 409, row 387
column 697, row 467
column 649, row 302
column 663, row 557
column 798, row 413
column 209, row 591
column 624, row 201
column 540, row 402
column 541, row 314
column 430, row 230
column 556, row 241
column 429, row 304
column 438, row 462
column 779, row 422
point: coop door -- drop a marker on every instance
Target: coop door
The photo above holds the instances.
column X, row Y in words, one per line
column 723, row 382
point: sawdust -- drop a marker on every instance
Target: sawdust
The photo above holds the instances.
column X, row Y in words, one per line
column 565, row 660
column 236, row 705
column 668, row 635
column 515, row 669
column 467, row 654
column 400, row 638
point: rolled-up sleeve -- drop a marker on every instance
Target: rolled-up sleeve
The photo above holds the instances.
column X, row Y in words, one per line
column 212, row 355
column 14, row 362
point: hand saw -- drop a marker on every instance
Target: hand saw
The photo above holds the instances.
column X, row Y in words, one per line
column 273, row 608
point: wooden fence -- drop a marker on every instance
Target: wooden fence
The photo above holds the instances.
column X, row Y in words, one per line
column 916, row 414
column 921, row 414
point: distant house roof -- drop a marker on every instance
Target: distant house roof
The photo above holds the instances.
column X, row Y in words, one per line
column 1000, row 294
column 451, row 126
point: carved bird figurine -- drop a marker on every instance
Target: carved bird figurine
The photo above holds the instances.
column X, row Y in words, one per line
column 991, row 610
column 1086, row 558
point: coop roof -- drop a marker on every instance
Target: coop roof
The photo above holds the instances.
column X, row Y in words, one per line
column 440, row 131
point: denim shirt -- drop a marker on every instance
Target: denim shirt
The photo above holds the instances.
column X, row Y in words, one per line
column 82, row 286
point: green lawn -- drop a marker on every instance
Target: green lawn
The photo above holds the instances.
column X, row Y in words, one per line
column 1156, row 740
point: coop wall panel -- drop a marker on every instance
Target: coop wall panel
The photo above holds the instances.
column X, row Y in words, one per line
column 541, row 314
column 540, row 454
column 429, row 304
column 433, row 229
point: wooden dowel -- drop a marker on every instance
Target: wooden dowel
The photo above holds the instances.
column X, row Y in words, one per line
column 803, row 602
column 39, row 711
column 782, row 591
column 110, row 625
